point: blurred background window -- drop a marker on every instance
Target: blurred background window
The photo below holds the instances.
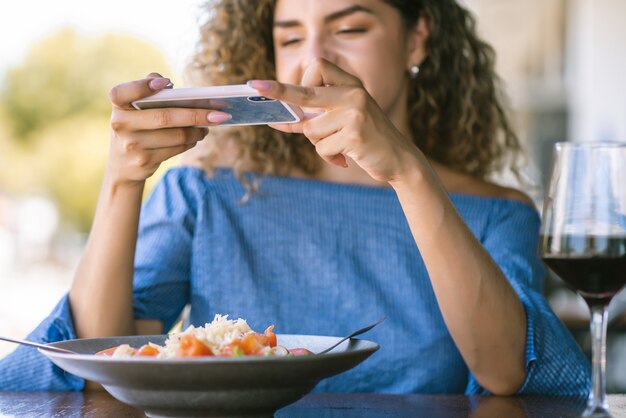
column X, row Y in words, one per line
column 58, row 61
column 561, row 61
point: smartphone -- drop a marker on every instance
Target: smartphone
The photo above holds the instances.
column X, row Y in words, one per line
column 241, row 101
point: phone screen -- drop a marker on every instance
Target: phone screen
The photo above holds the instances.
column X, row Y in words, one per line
column 245, row 110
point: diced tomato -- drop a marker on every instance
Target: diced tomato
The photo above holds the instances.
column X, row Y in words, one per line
column 190, row 346
column 108, row 352
column 300, row 352
column 271, row 337
column 147, row 350
column 253, row 343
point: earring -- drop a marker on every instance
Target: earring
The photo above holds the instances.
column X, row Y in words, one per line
column 414, row 71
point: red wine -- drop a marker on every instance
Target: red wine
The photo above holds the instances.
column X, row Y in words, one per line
column 594, row 266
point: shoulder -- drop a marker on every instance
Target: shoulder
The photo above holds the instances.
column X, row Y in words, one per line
column 183, row 177
column 488, row 189
column 185, row 192
column 457, row 182
column 178, row 187
column 516, row 195
column 506, row 212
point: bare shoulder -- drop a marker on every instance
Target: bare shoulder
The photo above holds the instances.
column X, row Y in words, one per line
column 514, row 194
column 456, row 182
column 488, row 189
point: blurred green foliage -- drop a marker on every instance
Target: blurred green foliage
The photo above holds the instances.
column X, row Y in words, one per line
column 54, row 112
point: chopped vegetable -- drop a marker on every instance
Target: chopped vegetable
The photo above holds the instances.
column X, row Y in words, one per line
column 147, row 350
column 108, row 352
column 300, row 352
column 190, row 346
column 222, row 337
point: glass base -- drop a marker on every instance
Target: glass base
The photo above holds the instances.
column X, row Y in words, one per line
column 596, row 411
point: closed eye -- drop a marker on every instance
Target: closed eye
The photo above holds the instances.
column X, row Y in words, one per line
column 351, row 30
column 347, row 31
column 290, row 42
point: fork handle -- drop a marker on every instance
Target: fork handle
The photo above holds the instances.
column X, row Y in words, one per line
column 354, row 334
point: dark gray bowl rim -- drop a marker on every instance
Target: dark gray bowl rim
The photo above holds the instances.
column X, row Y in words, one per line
column 370, row 346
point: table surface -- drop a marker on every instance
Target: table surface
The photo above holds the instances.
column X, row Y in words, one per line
column 320, row 405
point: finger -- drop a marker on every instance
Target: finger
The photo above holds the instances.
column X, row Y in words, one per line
column 290, row 128
column 303, row 96
column 339, row 160
column 165, row 138
column 163, row 154
column 123, row 94
column 294, row 128
column 318, row 75
column 323, row 126
column 167, row 118
column 157, row 75
column 321, row 72
column 331, row 150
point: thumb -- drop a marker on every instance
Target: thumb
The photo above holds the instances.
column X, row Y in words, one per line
column 323, row 73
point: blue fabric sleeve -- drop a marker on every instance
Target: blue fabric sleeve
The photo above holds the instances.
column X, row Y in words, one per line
column 27, row 369
column 555, row 364
column 160, row 287
column 164, row 247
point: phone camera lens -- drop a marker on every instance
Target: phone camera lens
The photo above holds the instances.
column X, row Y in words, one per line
column 260, row 99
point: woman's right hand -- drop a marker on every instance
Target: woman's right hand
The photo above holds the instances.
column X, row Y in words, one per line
column 142, row 139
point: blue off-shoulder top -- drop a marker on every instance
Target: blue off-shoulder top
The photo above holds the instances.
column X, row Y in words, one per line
column 321, row 258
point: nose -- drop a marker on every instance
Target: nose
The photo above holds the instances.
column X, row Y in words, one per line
column 318, row 47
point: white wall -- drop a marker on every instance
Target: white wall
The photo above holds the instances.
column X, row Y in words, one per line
column 597, row 70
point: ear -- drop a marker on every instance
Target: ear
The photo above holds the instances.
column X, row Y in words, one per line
column 416, row 42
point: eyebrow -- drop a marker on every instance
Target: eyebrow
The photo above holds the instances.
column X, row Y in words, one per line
column 333, row 16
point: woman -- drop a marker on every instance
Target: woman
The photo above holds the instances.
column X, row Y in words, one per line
column 380, row 207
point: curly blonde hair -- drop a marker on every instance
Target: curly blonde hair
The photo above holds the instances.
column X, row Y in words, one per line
column 455, row 108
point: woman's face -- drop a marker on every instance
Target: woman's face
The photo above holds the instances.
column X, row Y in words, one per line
column 365, row 38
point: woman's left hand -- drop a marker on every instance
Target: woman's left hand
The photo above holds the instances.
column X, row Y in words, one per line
column 351, row 123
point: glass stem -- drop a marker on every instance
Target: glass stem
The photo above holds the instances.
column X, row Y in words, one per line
column 597, row 397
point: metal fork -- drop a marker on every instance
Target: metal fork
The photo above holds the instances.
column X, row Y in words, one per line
column 354, row 334
column 37, row 345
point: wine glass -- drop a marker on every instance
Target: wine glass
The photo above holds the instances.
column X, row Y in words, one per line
column 584, row 238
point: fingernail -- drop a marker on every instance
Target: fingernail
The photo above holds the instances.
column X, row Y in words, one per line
column 159, row 83
column 260, row 84
column 218, row 117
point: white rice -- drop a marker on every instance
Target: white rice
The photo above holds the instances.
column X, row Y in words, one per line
column 216, row 335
